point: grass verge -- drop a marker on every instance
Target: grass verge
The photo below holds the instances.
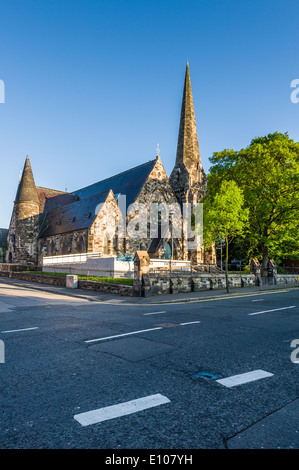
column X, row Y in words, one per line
column 109, row 280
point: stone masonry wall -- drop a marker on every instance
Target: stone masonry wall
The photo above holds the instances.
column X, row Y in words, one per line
column 103, row 234
column 63, row 244
column 157, row 284
column 117, row 289
column 54, row 281
column 22, row 235
column 156, row 189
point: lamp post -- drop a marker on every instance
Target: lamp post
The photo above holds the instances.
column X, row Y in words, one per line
column 221, row 255
column 171, row 213
column 221, row 262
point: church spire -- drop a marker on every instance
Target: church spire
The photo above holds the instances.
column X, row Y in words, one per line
column 27, row 191
column 188, row 171
column 187, row 149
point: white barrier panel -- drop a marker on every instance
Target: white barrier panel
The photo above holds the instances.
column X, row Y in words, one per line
column 66, row 259
column 91, row 266
column 167, row 264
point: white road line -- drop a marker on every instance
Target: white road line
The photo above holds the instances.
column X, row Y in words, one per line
column 257, row 300
column 123, row 334
column 122, row 409
column 134, row 332
column 274, row 310
column 23, row 329
column 154, row 313
column 244, row 378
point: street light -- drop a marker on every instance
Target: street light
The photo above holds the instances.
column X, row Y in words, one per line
column 222, row 240
column 171, row 213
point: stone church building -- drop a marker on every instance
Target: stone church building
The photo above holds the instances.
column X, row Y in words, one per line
column 47, row 222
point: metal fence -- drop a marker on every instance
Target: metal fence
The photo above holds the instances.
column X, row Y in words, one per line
column 282, row 281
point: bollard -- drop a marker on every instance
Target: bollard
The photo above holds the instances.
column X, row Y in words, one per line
column 2, row 352
column 71, row 281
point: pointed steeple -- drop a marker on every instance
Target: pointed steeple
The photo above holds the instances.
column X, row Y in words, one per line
column 187, row 172
column 27, row 191
column 187, row 149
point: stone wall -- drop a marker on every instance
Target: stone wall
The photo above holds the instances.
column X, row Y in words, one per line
column 157, row 284
column 103, row 233
column 156, row 190
column 65, row 243
column 7, row 267
column 54, row 281
column 287, row 280
column 117, row 289
column 22, row 235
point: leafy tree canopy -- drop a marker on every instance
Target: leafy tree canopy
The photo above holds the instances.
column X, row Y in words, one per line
column 224, row 217
column 267, row 172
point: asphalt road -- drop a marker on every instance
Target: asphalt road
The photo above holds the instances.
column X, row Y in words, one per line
column 83, row 375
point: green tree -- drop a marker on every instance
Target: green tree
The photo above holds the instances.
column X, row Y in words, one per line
column 267, row 171
column 224, row 217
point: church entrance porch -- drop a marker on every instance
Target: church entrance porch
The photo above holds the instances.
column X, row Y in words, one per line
column 167, row 251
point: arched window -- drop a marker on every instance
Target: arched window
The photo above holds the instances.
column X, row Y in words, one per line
column 198, row 173
column 49, row 248
column 81, row 245
column 64, row 248
column 167, row 251
column 105, row 245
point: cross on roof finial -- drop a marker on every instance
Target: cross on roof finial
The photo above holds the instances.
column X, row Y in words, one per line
column 158, row 150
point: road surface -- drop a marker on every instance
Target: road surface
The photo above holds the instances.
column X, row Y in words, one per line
column 212, row 374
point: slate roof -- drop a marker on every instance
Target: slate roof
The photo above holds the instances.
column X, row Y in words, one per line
column 74, row 216
column 127, row 183
column 3, row 235
column 51, row 198
column 62, row 214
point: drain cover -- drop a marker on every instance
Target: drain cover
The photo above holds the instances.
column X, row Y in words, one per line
column 206, row 376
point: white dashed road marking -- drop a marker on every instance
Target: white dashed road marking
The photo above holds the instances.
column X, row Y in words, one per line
column 123, row 334
column 274, row 310
column 154, row 313
column 122, row 409
column 21, row 329
column 244, row 378
column 135, row 332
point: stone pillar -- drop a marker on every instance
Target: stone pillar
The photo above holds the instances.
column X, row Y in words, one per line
column 272, row 268
column 141, row 266
column 255, row 268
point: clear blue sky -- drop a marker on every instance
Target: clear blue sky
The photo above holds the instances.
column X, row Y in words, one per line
column 93, row 85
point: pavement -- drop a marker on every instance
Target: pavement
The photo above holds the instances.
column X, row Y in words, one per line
column 126, row 300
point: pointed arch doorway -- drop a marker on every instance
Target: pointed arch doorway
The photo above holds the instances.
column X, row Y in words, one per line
column 167, row 251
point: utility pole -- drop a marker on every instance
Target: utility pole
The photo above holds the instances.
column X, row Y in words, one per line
column 171, row 213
